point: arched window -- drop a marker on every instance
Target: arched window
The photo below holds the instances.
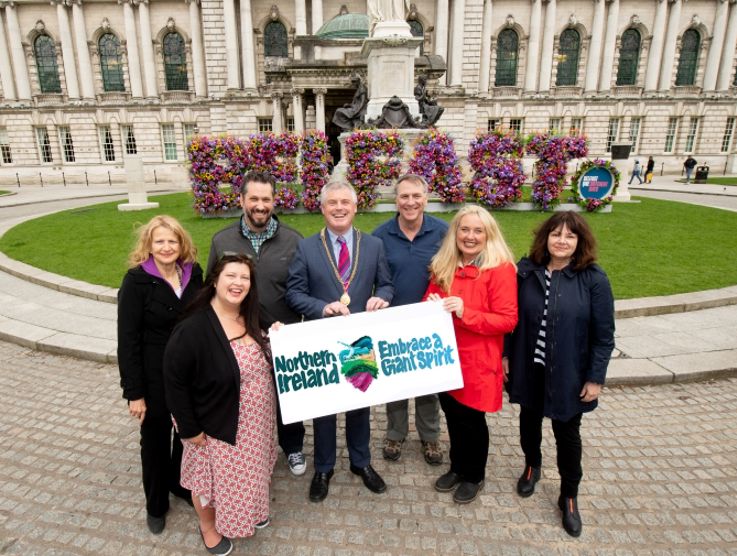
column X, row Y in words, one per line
column 175, row 62
column 689, row 59
column 417, row 30
column 507, row 54
column 48, row 71
column 275, row 40
column 629, row 57
column 111, row 63
column 570, row 43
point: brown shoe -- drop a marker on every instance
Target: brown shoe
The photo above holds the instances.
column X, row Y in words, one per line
column 432, row 452
column 392, row 449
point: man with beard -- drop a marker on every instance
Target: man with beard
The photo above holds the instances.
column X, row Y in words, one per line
column 271, row 245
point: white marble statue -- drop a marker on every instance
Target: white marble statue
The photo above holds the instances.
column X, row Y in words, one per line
column 387, row 10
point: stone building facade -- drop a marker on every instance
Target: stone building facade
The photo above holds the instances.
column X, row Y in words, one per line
column 83, row 83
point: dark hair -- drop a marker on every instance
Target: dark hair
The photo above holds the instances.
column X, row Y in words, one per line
column 249, row 308
column 585, row 253
column 258, row 177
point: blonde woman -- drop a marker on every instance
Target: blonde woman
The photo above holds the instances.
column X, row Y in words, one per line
column 474, row 276
column 163, row 277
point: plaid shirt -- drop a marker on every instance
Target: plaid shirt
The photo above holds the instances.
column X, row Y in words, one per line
column 257, row 239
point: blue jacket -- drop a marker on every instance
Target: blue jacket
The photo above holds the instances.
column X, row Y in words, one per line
column 312, row 284
column 579, row 337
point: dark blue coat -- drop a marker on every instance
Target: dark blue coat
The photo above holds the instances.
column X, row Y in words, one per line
column 579, row 337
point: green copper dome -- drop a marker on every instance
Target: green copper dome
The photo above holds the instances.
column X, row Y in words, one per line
column 346, row 26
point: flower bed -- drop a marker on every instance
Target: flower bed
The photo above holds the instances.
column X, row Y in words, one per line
column 436, row 160
column 314, row 168
column 374, row 160
column 554, row 153
column 496, row 159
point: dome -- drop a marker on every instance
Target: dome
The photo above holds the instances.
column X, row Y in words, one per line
column 345, row 26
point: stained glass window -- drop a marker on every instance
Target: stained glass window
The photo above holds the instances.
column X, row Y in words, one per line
column 111, row 63
column 689, row 58
column 275, row 39
column 175, row 62
column 48, row 70
column 507, row 53
column 629, row 57
column 570, row 43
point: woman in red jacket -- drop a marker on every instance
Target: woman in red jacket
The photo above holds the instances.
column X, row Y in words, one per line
column 475, row 277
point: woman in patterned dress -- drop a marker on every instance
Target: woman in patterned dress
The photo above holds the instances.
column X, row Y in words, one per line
column 221, row 394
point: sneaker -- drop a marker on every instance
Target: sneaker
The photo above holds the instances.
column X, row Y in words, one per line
column 297, row 465
column 432, row 452
column 392, row 449
column 263, row 524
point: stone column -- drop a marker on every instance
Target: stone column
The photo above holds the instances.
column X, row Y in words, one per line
column 276, row 120
column 248, row 59
column 456, row 51
column 591, row 82
column 610, row 45
column 730, row 43
column 320, row 108
column 669, row 47
column 131, row 44
column 485, row 53
column 6, row 70
column 299, row 125
column 300, row 24
column 22, row 82
column 147, row 49
column 198, row 58
column 546, row 60
column 717, row 43
column 231, row 44
column 533, row 47
column 441, row 32
column 655, row 55
column 67, row 50
column 317, row 23
column 83, row 52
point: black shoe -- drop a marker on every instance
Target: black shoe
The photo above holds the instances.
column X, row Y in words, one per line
column 223, row 548
column 571, row 518
column 526, row 482
column 156, row 524
column 447, row 482
column 371, row 478
column 184, row 494
column 320, row 485
column 467, row 492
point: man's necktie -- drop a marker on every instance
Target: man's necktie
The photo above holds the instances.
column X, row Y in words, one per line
column 344, row 260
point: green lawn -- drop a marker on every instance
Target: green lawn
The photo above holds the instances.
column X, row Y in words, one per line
column 4, row 192
column 649, row 248
column 724, row 180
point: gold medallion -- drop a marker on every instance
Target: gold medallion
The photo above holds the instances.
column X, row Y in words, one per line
column 345, row 299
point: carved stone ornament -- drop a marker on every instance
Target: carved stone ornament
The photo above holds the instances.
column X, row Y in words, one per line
column 572, row 20
column 510, row 20
column 412, row 11
column 695, row 20
column 40, row 26
column 105, row 24
column 343, row 10
column 274, row 13
column 170, row 24
column 395, row 115
column 635, row 19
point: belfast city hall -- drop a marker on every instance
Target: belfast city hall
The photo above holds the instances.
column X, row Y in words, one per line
column 84, row 83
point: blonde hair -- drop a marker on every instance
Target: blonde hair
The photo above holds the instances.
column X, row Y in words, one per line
column 444, row 264
column 142, row 251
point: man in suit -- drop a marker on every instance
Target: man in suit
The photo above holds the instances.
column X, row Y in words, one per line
column 336, row 272
column 271, row 245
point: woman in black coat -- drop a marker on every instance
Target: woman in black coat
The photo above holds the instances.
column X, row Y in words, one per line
column 557, row 357
column 163, row 278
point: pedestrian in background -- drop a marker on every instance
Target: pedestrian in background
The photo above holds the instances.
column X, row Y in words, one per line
column 636, row 171
column 559, row 351
column 649, row 169
column 162, row 279
column 688, row 165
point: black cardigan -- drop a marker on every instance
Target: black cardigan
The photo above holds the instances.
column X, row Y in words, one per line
column 202, row 378
column 148, row 309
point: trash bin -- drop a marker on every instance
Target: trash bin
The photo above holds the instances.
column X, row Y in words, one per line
column 702, row 172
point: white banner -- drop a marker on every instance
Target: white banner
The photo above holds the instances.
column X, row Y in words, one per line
column 340, row 363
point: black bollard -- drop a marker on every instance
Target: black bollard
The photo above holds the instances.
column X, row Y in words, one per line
column 109, row 181
column 85, row 179
column 41, row 178
column 17, row 179
column 64, row 179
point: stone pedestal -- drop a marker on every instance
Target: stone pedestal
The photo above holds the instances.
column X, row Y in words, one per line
column 137, row 196
column 391, row 68
column 620, row 155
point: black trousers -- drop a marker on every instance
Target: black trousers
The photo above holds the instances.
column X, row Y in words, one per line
column 567, row 440
column 161, row 461
column 469, row 439
column 291, row 436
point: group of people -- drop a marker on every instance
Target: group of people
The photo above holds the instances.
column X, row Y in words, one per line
column 544, row 326
column 637, row 171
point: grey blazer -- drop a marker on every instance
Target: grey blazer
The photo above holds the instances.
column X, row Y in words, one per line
column 312, row 283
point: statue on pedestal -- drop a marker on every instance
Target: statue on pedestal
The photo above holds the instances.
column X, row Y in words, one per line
column 429, row 108
column 386, row 10
column 351, row 116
